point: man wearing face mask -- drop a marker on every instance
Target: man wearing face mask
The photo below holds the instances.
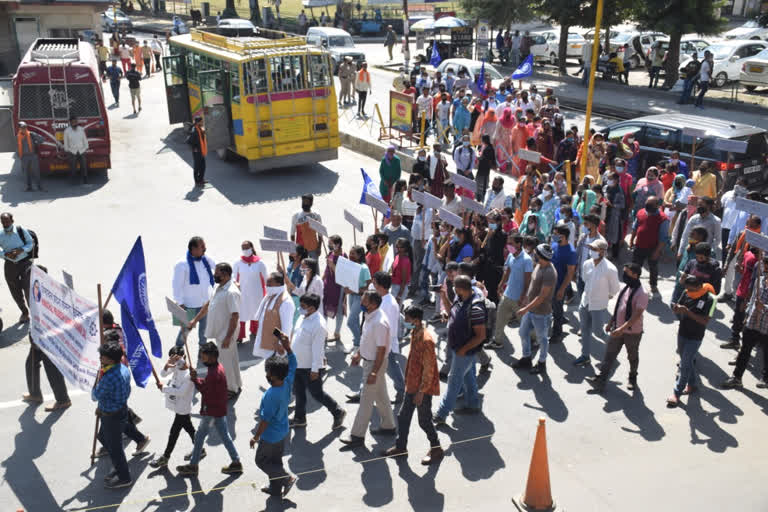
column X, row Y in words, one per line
column 464, row 157
column 301, row 233
column 275, row 312
column 497, row 198
column 223, row 312
column 624, row 329
column 564, row 259
column 16, row 245
column 706, row 219
column 601, row 282
column 731, row 213
column 650, row 233
column 192, row 285
column 309, row 346
column 682, row 167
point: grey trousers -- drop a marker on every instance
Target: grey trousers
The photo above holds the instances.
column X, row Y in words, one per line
column 269, row 459
column 373, row 394
column 74, row 158
column 30, row 165
column 418, row 257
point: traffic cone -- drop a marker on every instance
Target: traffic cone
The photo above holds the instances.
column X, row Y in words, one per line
column 538, row 492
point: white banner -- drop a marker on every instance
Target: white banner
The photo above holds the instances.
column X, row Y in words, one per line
column 348, row 273
column 65, row 326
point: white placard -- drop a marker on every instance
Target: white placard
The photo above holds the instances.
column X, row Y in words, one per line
column 695, row 132
column 462, row 181
column 756, row 240
column 277, row 245
column 317, row 227
column 730, row 145
column 68, row 279
column 275, row 234
column 356, row 223
column 177, row 311
column 65, row 326
column 473, row 206
column 376, row 203
column 348, row 273
column 451, row 218
column 753, row 207
column 428, row 200
column 529, row 156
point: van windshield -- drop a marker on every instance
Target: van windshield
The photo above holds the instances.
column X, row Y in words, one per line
column 345, row 41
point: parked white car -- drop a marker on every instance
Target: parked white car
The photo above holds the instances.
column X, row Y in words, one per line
column 115, row 18
column 729, row 57
column 752, row 29
column 472, row 67
column 338, row 42
column 547, row 49
column 754, row 71
column 644, row 39
column 688, row 46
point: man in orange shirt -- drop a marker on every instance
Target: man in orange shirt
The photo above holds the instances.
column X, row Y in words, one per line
column 27, row 143
column 421, row 384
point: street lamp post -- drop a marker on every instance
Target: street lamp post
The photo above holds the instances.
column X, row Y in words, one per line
column 406, row 48
column 591, row 90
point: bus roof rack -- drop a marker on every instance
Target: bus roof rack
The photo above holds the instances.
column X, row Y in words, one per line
column 264, row 39
column 56, row 48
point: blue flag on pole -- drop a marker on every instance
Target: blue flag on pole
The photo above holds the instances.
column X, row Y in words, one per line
column 481, row 78
column 130, row 290
column 525, row 69
column 138, row 359
column 435, row 59
column 369, row 187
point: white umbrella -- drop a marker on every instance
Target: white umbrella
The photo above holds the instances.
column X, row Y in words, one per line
column 449, row 22
column 422, row 25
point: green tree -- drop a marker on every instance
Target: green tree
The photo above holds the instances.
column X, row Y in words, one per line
column 565, row 13
column 615, row 12
column 500, row 13
column 677, row 18
column 229, row 10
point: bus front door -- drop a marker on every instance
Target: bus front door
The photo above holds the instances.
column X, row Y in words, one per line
column 176, row 91
column 213, row 85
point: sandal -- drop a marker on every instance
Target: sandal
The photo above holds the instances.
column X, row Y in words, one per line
column 672, row 402
column 58, row 406
column 689, row 389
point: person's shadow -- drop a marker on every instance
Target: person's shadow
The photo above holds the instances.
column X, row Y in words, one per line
column 377, row 482
column 306, row 456
column 635, row 410
column 422, row 494
column 21, row 473
column 478, row 457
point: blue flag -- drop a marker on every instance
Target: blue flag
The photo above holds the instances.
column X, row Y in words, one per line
column 435, row 59
column 525, row 69
column 138, row 359
column 481, row 78
column 130, row 290
column 369, row 187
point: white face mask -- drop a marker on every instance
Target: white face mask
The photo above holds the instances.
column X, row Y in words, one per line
column 247, row 252
column 422, row 158
column 274, row 290
column 547, row 193
column 611, row 183
column 595, row 255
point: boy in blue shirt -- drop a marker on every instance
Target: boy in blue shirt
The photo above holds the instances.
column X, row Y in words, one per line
column 273, row 426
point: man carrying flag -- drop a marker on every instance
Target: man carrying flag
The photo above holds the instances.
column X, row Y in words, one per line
column 524, row 70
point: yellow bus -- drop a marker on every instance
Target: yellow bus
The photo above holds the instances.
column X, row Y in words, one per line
column 269, row 99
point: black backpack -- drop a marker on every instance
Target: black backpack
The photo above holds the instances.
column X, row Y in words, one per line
column 35, row 245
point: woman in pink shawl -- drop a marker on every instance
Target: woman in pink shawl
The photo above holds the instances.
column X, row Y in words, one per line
column 485, row 126
column 519, row 141
column 503, row 142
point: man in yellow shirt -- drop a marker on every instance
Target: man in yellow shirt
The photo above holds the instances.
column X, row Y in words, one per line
column 103, row 57
column 620, row 70
column 705, row 181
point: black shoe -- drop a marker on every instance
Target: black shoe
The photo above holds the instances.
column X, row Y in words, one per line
column 734, row 344
column 289, row 485
column 485, row 368
column 732, row 362
column 116, row 483
column 352, row 441
column 202, row 455
column 338, row 420
column 596, row 381
column 541, row 367
column 763, row 384
column 297, row 423
column 632, row 383
column 523, row 362
column 233, row 468
column 467, row 411
column 353, row 398
column 725, row 298
column 438, row 420
column 731, row 383
column 109, row 476
column 443, row 377
column 494, row 345
column 383, row 431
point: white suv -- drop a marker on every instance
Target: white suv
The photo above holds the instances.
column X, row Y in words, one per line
column 338, row 42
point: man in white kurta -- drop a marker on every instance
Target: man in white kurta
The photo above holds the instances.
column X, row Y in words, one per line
column 192, row 285
column 250, row 274
column 276, row 301
column 391, row 309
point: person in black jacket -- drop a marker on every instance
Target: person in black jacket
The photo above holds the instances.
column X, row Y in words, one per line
column 486, row 161
column 199, row 142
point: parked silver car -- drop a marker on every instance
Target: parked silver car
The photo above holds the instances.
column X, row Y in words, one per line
column 115, row 18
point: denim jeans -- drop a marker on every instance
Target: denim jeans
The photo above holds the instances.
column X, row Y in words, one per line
column 654, row 76
column 687, row 88
column 339, row 317
column 200, row 328
column 558, row 317
column 111, row 436
column 585, row 75
column 539, row 323
column 687, row 348
column 703, row 88
column 396, row 373
column 353, row 320
column 461, row 376
column 202, row 432
column 591, row 322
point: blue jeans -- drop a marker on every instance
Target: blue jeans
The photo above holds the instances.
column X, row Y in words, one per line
column 687, row 348
column 202, row 432
column 353, row 320
column 396, row 373
column 461, row 376
column 585, row 75
column 200, row 328
column 115, row 91
column 687, row 88
column 558, row 316
column 591, row 322
column 539, row 323
column 111, row 436
column 339, row 316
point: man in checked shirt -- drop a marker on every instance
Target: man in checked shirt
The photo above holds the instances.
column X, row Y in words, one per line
column 421, row 384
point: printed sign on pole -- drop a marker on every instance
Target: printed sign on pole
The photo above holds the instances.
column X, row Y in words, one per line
column 317, row 227
column 356, row 223
column 277, row 245
column 463, row 181
column 275, row 234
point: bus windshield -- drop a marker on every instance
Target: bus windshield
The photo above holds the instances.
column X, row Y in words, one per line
column 41, row 101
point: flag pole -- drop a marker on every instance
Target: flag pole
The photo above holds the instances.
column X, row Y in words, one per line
column 98, row 374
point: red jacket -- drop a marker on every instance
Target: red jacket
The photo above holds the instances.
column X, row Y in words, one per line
column 214, row 392
column 648, row 229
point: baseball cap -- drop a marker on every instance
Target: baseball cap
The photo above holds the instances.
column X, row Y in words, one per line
column 544, row 251
column 598, row 245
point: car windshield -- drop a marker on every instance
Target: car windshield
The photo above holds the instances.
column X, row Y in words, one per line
column 751, row 24
column 489, row 72
column 762, row 55
column 341, row 41
column 720, row 51
column 575, row 37
column 622, row 38
column 120, row 14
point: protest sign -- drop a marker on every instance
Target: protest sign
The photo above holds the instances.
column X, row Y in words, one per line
column 463, row 182
column 356, row 223
column 752, row 207
column 428, row 200
column 317, row 227
column 529, row 156
column 451, row 218
column 277, row 245
column 473, row 206
column 376, row 203
column 756, row 239
column 275, row 234
column 348, row 273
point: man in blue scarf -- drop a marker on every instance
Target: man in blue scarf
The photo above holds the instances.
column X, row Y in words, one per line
column 192, row 285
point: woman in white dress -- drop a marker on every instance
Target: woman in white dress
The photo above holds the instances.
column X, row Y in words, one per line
column 250, row 275
column 312, row 282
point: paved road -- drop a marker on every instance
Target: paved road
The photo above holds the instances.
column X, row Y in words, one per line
column 623, row 452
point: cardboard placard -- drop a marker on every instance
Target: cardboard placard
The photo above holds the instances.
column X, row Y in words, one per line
column 753, row 207
column 317, row 227
column 732, row 146
column 473, row 206
column 68, row 279
column 348, row 273
column 756, row 240
column 428, row 200
column 277, row 245
column 356, row 223
column 529, row 156
column 463, row 182
column 275, row 234
column 695, row 132
column 451, row 218
column 179, row 314
column 376, row 203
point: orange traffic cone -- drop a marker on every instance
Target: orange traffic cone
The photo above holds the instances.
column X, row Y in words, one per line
column 538, row 492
